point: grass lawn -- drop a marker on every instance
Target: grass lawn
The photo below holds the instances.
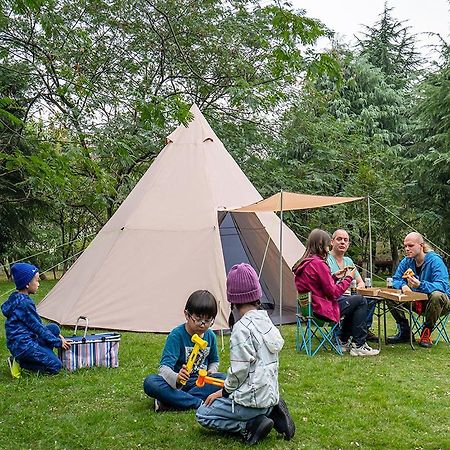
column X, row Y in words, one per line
column 397, row 400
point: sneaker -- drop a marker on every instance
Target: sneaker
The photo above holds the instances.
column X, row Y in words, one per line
column 363, row 350
column 346, row 346
column 162, row 407
column 257, row 429
column 14, row 367
column 425, row 338
column 282, row 420
column 371, row 336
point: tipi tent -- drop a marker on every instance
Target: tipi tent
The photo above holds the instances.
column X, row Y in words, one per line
column 172, row 236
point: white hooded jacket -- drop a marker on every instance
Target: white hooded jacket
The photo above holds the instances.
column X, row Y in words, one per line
column 252, row 379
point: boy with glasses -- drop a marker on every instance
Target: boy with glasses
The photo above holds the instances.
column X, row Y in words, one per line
column 174, row 387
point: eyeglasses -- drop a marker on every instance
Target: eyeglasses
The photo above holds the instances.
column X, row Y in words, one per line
column 201, row 322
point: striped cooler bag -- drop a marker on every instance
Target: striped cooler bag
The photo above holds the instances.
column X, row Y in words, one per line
column 90, row 350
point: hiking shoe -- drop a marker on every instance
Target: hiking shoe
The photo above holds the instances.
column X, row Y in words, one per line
column 403, row 334
column 363, row 350
column 257, row 429
column 282, row 420
column 14, row 367
column 425, row 338
column 345, row 346
column 162, row 407
column 371, row 336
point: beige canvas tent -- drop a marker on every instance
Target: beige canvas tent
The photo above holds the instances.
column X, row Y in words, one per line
column 171, row 236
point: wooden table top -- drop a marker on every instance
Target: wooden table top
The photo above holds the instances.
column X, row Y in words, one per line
column 393, row 294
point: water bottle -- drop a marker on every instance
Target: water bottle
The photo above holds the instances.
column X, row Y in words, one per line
column 353, row 287
column 368, row 282
column 389, row 282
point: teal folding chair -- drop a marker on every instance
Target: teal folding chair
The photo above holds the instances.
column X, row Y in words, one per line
column 312, row 332
column 418, row 322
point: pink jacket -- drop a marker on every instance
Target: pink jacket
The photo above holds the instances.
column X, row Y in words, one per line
column 313, row 275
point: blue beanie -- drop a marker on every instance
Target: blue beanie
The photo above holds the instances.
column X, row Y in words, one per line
column 23, row 273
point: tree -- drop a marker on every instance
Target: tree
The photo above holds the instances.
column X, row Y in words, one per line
column 105, row 81
column 427, row 162
column 389, row 46
column 16, row 207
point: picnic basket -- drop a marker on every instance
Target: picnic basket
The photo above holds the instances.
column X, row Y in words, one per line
column 90, row 350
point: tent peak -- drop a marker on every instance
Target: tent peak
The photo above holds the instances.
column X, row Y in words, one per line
column 196, row 131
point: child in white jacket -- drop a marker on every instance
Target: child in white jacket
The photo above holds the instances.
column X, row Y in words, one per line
column 249, row 403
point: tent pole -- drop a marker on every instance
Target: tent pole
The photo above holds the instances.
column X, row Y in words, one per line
column 370, row 239
column 281, row 257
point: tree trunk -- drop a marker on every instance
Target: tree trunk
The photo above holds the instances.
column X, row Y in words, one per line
column 5, row 265
column 394, row 250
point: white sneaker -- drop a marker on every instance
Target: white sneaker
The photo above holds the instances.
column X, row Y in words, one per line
column 345, row 346
column 364, row 350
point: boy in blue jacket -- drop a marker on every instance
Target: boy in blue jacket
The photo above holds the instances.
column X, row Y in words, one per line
column 30, row 342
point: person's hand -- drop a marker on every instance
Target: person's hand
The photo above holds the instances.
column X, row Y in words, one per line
column 65, row 344
column 413, row 282
column 406, row 288
column 183, row 374
column 352, row 272
column 211, row 397
column 340, row 273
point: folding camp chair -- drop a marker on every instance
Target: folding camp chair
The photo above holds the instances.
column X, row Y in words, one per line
column 312, row 332
column 418, row 322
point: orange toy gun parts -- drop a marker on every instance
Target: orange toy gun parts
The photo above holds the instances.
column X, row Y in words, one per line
column 204, row 379
column 200, row 344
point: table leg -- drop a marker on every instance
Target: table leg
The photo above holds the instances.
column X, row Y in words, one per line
column 379, row 324
column 384, row 322
column 411, row 334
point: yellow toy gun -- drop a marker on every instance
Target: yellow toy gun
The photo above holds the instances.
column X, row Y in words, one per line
column 200, row 344
column 203, row 378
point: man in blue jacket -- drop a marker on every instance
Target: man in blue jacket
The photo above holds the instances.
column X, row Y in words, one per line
column 431, row 278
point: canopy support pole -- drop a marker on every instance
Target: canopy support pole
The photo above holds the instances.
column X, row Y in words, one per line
column 281, row 257
column 370, row 239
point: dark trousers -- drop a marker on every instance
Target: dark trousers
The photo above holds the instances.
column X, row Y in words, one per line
column 371, row 304
column 354, row 311
column 40, row 357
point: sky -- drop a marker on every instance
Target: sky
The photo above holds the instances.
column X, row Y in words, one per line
column 347, row 17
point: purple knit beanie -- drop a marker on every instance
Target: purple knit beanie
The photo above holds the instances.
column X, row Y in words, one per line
column 23, row 273
column 243, row 284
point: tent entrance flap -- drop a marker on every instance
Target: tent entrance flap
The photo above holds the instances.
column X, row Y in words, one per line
column 236, row 251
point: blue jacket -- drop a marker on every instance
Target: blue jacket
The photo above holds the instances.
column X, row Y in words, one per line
column 23, row 325
column 433, row 277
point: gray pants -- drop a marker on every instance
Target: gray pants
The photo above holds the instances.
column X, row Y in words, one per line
column 438, row 305
column 225, row 415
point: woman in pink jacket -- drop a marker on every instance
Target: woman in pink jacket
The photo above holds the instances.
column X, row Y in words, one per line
column 312, row 274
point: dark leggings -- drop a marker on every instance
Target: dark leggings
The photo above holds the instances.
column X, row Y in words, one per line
column 354, row 312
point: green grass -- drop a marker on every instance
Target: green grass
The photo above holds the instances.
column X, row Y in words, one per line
column 398, row 400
